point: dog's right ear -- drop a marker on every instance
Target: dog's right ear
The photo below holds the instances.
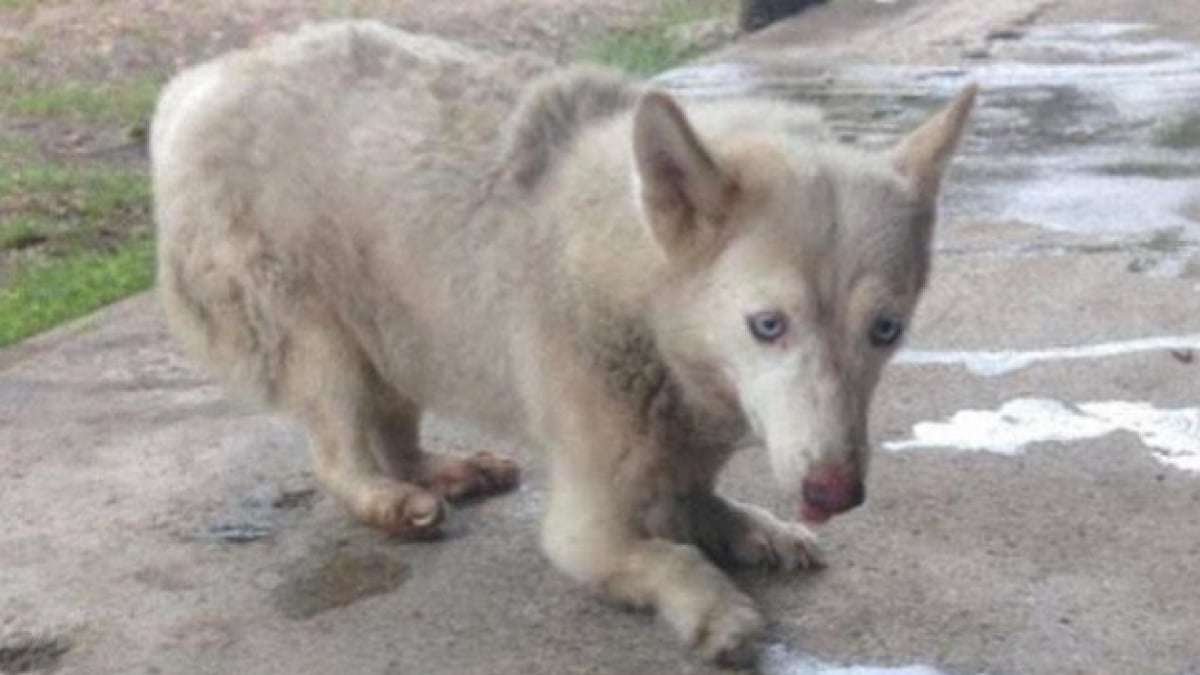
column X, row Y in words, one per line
column 683, row 190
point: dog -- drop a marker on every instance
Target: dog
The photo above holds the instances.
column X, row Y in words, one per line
column 360, row 224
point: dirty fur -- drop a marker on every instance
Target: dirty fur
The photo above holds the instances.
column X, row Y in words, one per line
column 360, row 224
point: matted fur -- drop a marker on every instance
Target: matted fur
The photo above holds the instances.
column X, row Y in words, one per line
column 359, row 224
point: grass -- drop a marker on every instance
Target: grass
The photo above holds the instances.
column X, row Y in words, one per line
column 70, row 208
column 1150, row 169
column 23, row 232
column 126, row 103
column 1182, row 133
column 15, row 147
column 73, row 239
column 73, row 236
column 655, row 46
column 46, row 294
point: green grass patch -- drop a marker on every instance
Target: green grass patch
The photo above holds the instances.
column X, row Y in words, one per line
column 655, row 46
column 16, row 147
column 23, row 232
column 91, row 196
column 128, row 103
column 1150, row 169
column 18, row 4
column 1183, row 132
column 45, row 294
column 72, row 238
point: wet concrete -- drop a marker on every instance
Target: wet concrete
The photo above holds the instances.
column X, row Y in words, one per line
column 1073, row 132
column 328, row 579
column 156, row 524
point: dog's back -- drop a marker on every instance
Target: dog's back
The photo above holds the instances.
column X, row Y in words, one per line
column 324, row 169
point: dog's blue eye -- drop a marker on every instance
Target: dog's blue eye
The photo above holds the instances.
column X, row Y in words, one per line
column 886, row 331
column 767, row 326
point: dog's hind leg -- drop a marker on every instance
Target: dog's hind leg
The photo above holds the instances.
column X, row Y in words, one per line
column 398, row 451
column 334, row 390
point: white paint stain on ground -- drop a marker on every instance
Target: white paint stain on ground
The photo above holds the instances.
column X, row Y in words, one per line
column 993, row 363
column 1173, row 435
column 779, row 660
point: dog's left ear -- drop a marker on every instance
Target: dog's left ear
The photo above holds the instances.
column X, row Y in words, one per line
column 683, row 189
column 923, row 155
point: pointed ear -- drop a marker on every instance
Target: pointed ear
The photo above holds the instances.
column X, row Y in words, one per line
column 922, row 157
column 683, row 190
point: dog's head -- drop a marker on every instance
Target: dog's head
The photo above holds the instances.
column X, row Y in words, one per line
column 795, row 267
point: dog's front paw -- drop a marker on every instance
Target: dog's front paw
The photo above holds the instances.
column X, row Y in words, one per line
column 732, row 637
column 763, row 540
column 725, row 628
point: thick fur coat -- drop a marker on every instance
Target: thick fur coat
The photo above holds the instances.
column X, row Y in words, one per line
column 359, row 224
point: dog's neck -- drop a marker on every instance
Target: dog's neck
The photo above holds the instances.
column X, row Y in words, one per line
column 670, row 404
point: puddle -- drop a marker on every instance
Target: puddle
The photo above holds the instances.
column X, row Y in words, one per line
column 27, row 653
column 1068, row 135
column 780, row 660
column 995, row 363
column 1162, row 254
column 1172, row 435
column 319, row 583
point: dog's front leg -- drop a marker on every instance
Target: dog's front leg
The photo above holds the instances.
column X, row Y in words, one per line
column 592, row 532
column 734, row 534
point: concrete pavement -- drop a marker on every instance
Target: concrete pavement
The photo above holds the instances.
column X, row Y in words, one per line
column 150, row 523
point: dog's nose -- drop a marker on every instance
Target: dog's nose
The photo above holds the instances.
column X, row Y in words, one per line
column 833, row 492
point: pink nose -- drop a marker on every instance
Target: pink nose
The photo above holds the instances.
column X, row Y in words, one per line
column 829, row 490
